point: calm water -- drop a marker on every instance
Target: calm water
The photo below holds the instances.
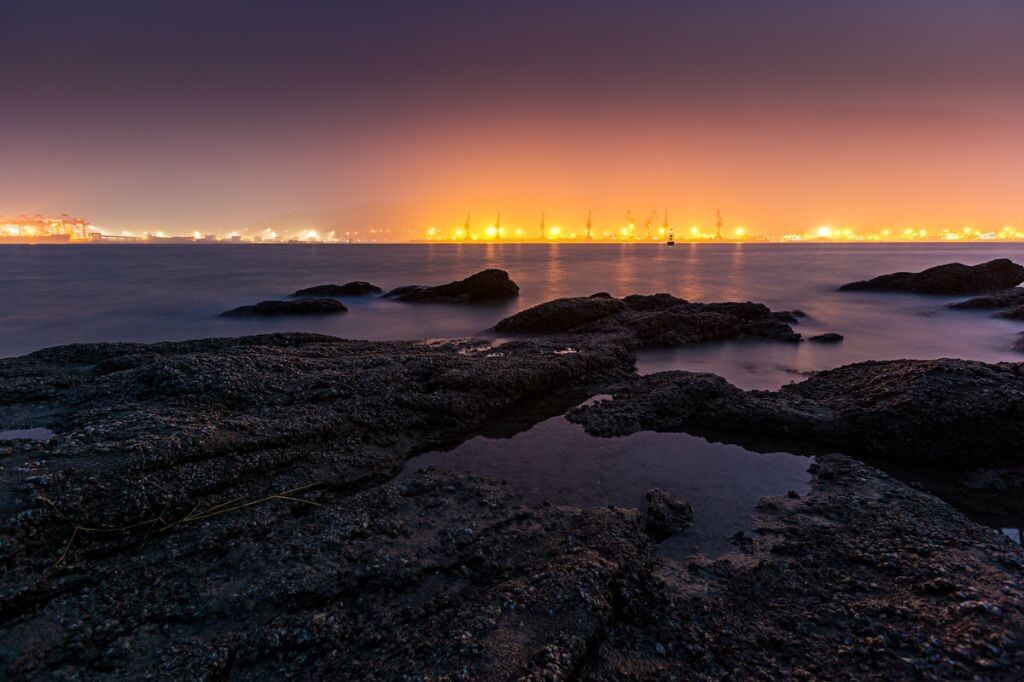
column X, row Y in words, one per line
column 65, row 294
column 557, row 461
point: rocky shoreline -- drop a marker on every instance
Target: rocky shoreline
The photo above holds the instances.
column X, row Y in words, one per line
column 226, row 508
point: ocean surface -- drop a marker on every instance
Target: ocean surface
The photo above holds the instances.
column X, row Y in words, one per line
column 66, row 294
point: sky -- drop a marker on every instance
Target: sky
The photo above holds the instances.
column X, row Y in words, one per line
column 218, row 115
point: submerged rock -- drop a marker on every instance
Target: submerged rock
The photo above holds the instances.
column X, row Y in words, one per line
column 827, row 337
column 667, row 513
column 789, row 316
column 347, row 289
column 654, row 320
column 487, row 285
column 955, row 412
column 306, row 306
column 952, row 278
column 1015, row 313
column 999, row 299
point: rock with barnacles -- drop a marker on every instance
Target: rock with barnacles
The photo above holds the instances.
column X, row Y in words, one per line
column 667, row 513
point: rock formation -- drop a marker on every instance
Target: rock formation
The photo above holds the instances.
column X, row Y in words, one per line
column 655, row 320
column 305, row 306
column 952, row 279
column 954, row 412
column 667, row 513
column 347, row 289
column 487, row 285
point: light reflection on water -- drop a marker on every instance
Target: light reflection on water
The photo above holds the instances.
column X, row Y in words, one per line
column 557, row 461
column 67, row 294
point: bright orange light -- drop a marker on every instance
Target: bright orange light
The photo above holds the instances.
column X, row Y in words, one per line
column 824, row 232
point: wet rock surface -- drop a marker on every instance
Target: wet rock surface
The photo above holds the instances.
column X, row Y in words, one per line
column 862, row 578
column 955, row 412
column 952, row 278
column 789, row 316
column 1015, row 313
column 347, row 289
column 667, row 514
column 217, row 505
column 999, row 299
column 226, row 508
column 654, row 320
column 305, row 306
column 487, row 285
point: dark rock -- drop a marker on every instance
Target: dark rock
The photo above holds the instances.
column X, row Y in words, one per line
column 858, row 580
column 667, row 513
column 952, row 278
column 982, row 479
column 999, row 299
column 487, row 285
column 306, row 306
column 1015, row 313
column 225, row 508
column 348, row 289
column 560, row 315
column 944, row 411
column 828, row 337
column 655, row 320
column 789, row 316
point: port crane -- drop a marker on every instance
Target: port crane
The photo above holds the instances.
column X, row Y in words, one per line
column 650, row 221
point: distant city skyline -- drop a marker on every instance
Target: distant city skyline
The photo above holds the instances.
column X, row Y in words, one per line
column 787, row 115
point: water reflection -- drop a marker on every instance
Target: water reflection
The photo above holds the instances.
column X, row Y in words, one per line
column 557, row 461
column 37, row 433
column 154, row 293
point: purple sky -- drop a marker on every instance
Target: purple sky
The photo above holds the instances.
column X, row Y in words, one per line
column 142, row 115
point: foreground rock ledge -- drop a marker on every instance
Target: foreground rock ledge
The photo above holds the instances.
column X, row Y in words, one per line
column 954, row 412
column 952, row 278
column 331, row 571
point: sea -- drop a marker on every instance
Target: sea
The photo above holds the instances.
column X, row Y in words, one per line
column 61, row 294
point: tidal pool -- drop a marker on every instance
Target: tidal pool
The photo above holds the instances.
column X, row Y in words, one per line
column 37, row 433
column 556, row 461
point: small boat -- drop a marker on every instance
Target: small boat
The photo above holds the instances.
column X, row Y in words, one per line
column 671, row 234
